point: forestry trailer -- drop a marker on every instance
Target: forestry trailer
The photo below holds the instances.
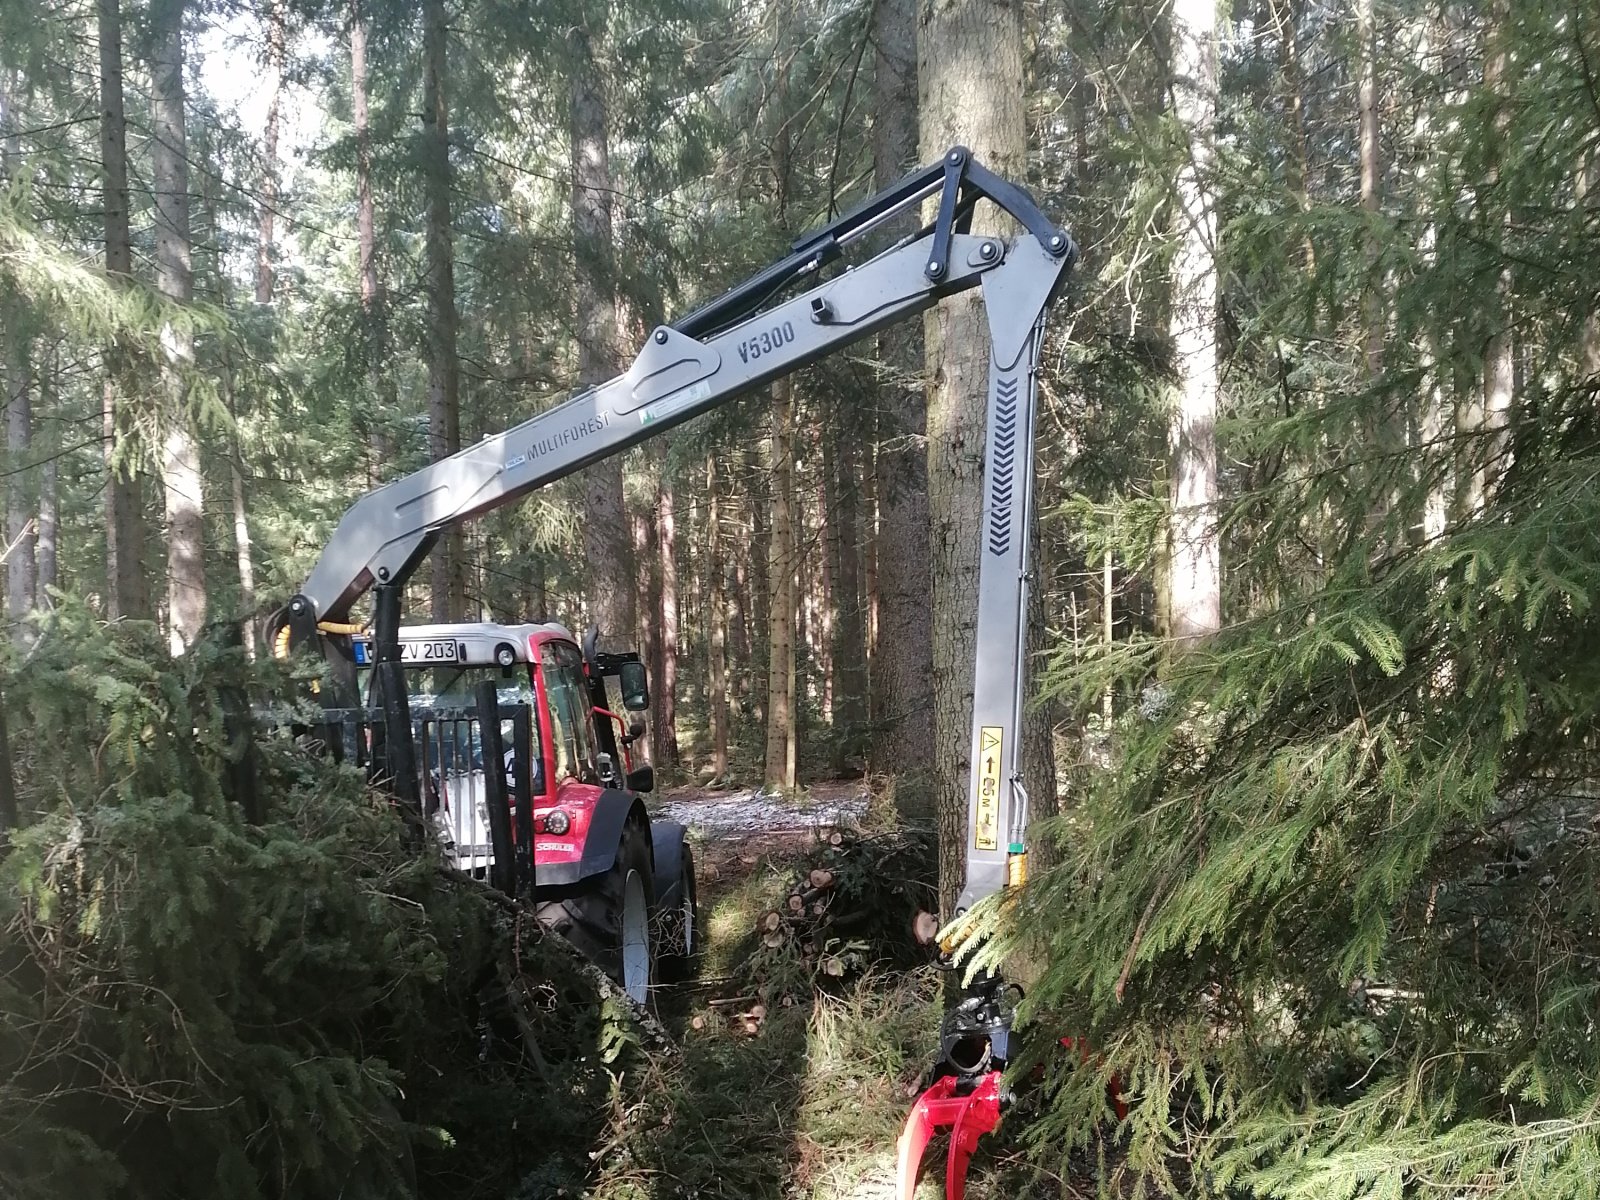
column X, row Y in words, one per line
column 757, row 332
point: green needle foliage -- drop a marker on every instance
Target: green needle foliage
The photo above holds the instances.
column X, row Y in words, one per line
column 193, row 1005
column 1331, row 908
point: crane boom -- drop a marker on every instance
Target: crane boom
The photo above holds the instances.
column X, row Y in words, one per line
column 741, row 340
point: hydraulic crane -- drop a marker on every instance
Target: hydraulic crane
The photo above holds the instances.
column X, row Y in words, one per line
column 752, row 334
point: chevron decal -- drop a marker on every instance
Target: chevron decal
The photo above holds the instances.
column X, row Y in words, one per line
column 1002, row 463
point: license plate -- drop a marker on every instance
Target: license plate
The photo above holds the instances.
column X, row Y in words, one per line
column 440, row 650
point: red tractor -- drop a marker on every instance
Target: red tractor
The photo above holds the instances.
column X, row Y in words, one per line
column 618, row 885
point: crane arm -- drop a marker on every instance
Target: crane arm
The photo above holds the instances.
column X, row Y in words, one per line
column 749, row 336
column 738, row 342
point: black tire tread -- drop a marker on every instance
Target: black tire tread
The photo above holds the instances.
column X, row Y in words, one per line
column 591, row 916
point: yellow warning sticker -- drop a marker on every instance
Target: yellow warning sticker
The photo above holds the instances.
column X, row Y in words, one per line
column 986, row 829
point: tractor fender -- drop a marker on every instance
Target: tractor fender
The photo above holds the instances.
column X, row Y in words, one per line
column 668, row 837
column 611, row 812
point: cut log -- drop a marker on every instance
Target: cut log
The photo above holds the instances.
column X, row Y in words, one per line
column 925, row 927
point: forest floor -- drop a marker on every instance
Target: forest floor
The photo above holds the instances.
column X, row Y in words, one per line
column 792, row 1081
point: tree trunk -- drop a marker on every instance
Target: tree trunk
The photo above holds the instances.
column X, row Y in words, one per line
column 277, row 33
column 756, row 583
column 1194, row 580
column 242, row 554
column 46, row 555
column 971, row 68
column 647, row 606
column 849, row 650
column 717, row 622
column 21, row 528
column 605, row 514
column 127, row 589
column 16, row 334
column 667, row 684
column 1288, row 20
column 180, row 472
column 1588, row 185
column 902, row 711
column 1371, row 175
column 444, row 368
column 780, row 756
column 374, row 297
column 1499, row 378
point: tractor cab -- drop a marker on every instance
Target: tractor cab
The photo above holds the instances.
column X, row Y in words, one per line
column 601, row 866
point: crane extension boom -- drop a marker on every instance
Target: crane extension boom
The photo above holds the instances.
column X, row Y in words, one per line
column 743, row 339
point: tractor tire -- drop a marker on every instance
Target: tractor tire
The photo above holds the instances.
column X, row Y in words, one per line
column 607, row 917
column 680, row 928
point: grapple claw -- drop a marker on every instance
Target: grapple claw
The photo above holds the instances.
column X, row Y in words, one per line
column 970, row 1115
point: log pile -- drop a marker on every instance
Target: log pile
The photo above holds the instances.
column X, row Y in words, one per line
column 850, row 905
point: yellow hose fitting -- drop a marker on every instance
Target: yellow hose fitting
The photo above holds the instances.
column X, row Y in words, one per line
column 1016, row 868
column 280, row 643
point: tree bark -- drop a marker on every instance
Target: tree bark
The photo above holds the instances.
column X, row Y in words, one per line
column 180, row 472
column 444, row 368
column 971, row 72
column 667, row 685
column 277, row 34
column 756, row 584
column 374, row 296
column 1499, row 371
column 243, row 556
column 1588, row 187
column 21, row 527
column 717, row 624
column 901, row 707
column 1371, row 176
column 46, row 554
column 605, row 514
column 127, row 588
column 1195, row 576
column 780, row 756
column 849, row 651
column 647, row 606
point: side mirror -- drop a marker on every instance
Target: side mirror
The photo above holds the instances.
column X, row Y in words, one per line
column 642, row 779
column 635, row 687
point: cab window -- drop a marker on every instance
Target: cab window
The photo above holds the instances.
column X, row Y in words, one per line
column 571, row 730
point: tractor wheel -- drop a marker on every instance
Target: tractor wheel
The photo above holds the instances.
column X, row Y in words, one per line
column 608, row 919
column 680, row 941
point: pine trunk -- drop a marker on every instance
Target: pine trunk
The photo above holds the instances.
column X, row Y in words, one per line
column 717, row 624
column 1499, row 371
column 667, row 683
column 1371, row 174
column 1194, row 581
column 180, row 472
column 46, row 554
column 971, row 68
column 444, row 368
column 780, row 756
column 277, row 34
column 127, row 587
column 902, row 643
column 647, row 606
column 849, row 650
column 21, row 529
column 605, row 514
column 243, row 556
column 374, row 299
